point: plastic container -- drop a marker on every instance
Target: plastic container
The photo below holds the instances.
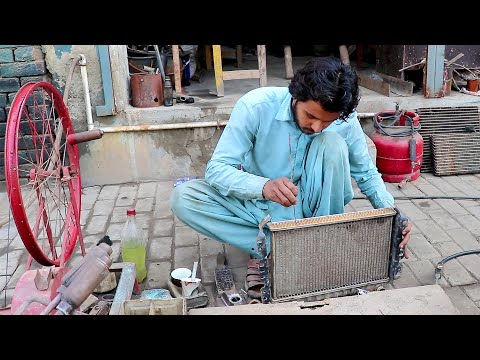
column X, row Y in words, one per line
column 133, row 245
column 167, row 92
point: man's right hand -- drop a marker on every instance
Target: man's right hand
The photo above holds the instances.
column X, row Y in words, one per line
column 281, row 190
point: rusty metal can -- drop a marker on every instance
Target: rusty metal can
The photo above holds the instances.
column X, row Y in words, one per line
column 472, row 85
column 147, row 90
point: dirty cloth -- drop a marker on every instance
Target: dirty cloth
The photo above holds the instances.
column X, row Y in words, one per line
column 254, row 148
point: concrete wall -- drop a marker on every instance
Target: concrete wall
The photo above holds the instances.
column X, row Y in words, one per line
column 58, row 59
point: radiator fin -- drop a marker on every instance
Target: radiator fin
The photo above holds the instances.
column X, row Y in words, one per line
column 456, row 154
column 444, row 120
column 333, row 255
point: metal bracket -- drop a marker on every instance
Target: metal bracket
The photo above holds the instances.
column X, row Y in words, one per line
column 263, row 262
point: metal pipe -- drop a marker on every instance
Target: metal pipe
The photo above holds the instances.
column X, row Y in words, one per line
column 68, row 82
column 188, row 125
column 83, row 69
column 125, row 285
column 52, row 305
column 365, row 115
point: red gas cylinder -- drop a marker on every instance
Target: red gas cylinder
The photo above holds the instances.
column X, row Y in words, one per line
column 399, row 145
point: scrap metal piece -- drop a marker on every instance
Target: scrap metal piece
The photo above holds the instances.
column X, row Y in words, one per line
column 224, row 280
column 232, row 298
column 125, row 285
column 102, row 308
column 42, row 278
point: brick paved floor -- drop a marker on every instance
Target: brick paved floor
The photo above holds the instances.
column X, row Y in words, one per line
column 441, row 228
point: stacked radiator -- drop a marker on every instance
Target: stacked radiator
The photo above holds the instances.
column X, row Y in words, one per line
column 450, row 139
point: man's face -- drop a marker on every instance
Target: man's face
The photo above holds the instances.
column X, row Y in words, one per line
column 310, row 116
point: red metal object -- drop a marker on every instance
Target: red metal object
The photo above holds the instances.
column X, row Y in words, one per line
column 84, row 136
column 393, row 153
column 46, row 210
column 27, row 299
column 147, row 90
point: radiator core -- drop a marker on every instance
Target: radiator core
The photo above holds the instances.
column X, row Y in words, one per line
column 330, row 255
column 445, row 120
column 455, row 154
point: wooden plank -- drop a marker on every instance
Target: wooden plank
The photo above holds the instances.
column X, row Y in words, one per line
column 241, row 74
column 217, row 65
column 176, row 69
column 375, row 85
column 287, row 49
column 398, row 86
column 262, row 64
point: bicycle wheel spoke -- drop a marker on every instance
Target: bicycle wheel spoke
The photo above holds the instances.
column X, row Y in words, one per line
column 39, row 127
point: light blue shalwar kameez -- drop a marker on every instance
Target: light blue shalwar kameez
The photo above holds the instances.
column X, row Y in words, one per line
column 228, row 204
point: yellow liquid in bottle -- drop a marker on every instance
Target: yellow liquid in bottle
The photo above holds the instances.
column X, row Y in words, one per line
column 136, row 255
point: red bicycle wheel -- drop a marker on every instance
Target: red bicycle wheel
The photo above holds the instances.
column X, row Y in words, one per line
column 42, row 172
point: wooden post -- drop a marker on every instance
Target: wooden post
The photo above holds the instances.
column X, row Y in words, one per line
column 239, row 56
column 262, row 64
column 344, row 56
column 288, row 61
column 217, row 65
column 208, row 57
column 434, row 71
column 176, row 69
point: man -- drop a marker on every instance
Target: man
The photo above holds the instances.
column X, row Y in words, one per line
column 289, row 152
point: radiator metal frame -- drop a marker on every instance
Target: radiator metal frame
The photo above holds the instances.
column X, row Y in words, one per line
column 314, row 295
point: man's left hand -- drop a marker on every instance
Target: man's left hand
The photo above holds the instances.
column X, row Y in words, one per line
column 405, row 239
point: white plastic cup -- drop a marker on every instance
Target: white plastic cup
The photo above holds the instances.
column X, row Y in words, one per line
column 190, row 286
column 178, row 274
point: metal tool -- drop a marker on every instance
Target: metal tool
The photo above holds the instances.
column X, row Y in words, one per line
column 226, row 289
column 263, row 261
column 159, row 61
column 291, row 172
column 412, row 150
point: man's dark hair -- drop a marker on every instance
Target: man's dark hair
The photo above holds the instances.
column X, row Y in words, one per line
column 329, row 82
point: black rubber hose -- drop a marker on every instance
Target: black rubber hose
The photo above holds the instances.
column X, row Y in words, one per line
column 462, row 253
column 426, row 197
column 439, row 267
column 400, row 131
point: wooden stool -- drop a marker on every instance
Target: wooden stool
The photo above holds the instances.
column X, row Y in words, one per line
column 221, row 76
column 260, row 73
